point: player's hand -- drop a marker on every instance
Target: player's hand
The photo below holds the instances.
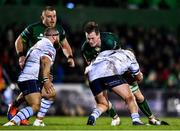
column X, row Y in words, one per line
column 71, row 62
column 48, row 86
column 48, row 91
column 22, row 61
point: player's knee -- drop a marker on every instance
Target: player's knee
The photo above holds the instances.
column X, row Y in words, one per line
column 129, row 98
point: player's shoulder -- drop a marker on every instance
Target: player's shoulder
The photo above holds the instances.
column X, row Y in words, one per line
column 84, row 46
column 36, row 24
column 130, row 53
column 59, row 26
column 107, row 34
column 45, row 43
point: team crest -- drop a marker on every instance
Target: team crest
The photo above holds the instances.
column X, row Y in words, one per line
column 98, row 49
column 40, row 36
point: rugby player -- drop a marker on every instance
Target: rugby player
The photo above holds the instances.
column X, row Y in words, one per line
column 27, row 39
column 39, row 60
column 97, row 42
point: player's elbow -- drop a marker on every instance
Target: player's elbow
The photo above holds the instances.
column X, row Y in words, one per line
column 139, row 77
column 19, row 44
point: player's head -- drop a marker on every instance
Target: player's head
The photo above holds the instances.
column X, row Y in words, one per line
column 49, row 17
column 92, row 33
column 53, row 35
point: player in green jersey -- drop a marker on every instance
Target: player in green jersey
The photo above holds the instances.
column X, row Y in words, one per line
column 108, row 41
column 27, row 39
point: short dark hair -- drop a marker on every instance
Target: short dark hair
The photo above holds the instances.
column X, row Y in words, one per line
column 90, row 27
column 50, row 8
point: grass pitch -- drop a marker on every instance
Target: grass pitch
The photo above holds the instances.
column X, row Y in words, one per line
column 79, row 123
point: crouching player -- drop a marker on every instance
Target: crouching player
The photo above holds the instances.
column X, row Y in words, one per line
column 38, row 63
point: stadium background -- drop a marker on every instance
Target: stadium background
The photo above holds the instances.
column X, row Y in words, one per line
column 150, row 27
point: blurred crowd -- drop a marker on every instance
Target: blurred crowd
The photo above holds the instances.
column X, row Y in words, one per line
column 157, row 50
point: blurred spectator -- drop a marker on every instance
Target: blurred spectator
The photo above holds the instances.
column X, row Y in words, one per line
column 144, row 4
column 163, row 5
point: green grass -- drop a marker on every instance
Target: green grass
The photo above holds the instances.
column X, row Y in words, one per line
column 79, row 123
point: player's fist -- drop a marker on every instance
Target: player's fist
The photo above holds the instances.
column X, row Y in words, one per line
column 71, row 62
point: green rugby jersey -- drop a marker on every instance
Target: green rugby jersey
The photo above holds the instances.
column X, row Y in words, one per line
column 34, row 33
column 108, row 41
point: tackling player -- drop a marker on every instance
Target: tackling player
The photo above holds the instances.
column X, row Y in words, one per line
column 97, row 42
column 104, row 73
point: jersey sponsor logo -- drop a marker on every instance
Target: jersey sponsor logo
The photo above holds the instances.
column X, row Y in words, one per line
column 40, row 36
column 98, row 49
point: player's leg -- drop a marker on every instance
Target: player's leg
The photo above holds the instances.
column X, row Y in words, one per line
column 144, row 107
column 101, row 101
column 33, row 101
column 101, row 107
column 112, row 112
column 32, row 95
column 124, row 91
column 13, row 109
column 46, row 102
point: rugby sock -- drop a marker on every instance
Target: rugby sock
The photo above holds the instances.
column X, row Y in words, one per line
column 23, row 114
column 135, row 117
column 145, row 108
column 96, row 113
column 112, row 113
column 45, row 105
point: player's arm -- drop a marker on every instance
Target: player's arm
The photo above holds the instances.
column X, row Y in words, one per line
column 131, row 78
column 68, row 52
column 134, row 68
column 138, row 77
column 45, row 68
column 20, row 50
column 21, row 44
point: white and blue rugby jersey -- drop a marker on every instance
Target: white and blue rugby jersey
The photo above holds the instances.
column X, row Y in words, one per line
column 112, row 62
column 31, row 68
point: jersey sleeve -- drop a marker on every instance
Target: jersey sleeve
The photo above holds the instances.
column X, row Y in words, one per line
column 48, row 52
column 27, row 34
column 83, row 52
column 62, row 33
column 134, row 68
column 134, row 65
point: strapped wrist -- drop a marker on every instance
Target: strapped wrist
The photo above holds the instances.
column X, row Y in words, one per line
column 21, row 54
column 45, row 79
column 70, row 56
